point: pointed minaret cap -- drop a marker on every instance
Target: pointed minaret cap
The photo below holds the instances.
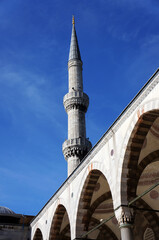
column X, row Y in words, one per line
column 74, row 48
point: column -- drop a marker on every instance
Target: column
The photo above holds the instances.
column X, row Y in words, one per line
column 126, row 221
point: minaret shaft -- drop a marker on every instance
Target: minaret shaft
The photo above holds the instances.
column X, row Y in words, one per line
column 76, row 124
column 76, row 116
column 75, row 76
column 76, row 103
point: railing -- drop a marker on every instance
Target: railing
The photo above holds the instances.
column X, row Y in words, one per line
column 76, row 141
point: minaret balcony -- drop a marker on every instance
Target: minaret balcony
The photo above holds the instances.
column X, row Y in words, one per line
column 76, row 146
column 76, row 99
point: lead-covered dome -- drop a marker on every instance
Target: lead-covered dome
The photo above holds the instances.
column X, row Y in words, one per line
column 5, row 210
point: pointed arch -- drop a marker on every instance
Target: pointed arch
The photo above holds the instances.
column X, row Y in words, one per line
column 60, row 226
column 92, row 166
column 38, row 235
column 132, row 153
column 139, row 171
column 94, row 204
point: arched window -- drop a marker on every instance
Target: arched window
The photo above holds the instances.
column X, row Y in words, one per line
column 149, row 234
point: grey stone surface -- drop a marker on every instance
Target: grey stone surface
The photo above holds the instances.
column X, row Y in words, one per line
column 76, row 103
column 74, row 48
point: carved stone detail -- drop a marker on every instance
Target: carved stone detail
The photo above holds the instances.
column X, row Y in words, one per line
column 126, row 216
column 78, row 147
column 74, row 63
column 78, row 100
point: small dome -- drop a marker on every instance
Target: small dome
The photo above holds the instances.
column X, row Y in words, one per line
column 5, row 210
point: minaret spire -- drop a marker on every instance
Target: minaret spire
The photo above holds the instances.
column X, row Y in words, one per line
column 74, row 48
column 76, row 103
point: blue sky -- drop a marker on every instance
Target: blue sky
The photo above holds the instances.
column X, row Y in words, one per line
column 119, row 44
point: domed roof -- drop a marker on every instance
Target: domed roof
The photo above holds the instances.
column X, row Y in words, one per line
column 5, row 210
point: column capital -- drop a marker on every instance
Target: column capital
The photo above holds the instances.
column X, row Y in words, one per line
column 125, row 216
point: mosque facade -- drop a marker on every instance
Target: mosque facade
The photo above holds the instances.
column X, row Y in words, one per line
column 112, row 189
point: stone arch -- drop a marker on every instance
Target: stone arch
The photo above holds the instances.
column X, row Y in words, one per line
column 145, row 108
column 92, row 166
column 95, row 196
column 140, row 158
column 139, row 130
column 38, row 235
column 60, row 226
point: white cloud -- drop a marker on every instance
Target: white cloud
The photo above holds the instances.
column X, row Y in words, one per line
column 26, row 95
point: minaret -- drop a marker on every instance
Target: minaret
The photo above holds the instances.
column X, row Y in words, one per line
column 76, row 103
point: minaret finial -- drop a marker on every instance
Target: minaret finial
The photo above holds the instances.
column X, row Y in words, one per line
column 74, row 48
column 73, row 20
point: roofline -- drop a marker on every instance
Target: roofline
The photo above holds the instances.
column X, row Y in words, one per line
column 15, row 215
column 117, row 119
column 127, row 107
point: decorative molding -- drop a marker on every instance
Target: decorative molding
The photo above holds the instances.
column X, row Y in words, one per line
column 126, row 216
column 78, row 100
column 76, row 147
column 75, row 62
